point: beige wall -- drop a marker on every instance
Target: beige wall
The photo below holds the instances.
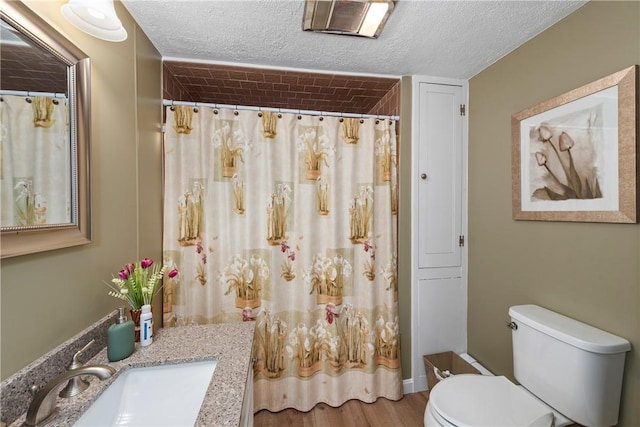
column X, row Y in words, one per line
column 47, row 298
column 590, row 272
column 404, row 227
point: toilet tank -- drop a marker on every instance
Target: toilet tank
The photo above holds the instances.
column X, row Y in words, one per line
column 573, row 367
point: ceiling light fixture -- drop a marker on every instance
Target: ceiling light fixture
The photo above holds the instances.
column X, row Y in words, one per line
column 95, row 17
column 348, row 17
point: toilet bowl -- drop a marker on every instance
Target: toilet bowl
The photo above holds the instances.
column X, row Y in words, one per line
column 479, row 400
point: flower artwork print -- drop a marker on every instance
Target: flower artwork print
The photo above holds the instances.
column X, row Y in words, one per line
column 567, row 158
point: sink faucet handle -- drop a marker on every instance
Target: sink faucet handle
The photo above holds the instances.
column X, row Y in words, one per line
column 76, row 385
column 74, row 361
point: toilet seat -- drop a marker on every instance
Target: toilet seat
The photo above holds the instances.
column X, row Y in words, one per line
column 479, row 400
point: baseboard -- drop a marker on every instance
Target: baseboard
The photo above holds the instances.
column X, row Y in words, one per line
column 407, row 386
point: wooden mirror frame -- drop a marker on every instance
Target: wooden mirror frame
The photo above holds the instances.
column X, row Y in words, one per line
column 20, row 241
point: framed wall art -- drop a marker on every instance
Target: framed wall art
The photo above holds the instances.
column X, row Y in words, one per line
column 574, row 157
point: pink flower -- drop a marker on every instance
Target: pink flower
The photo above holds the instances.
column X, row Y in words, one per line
column 369, row 247
column 146, row 263
column 284, row 247
column 123, row 274
column 247, row 314
column 130, row 268
column 292, row 256
column 331, row 313
column 173, row 273
column 199, row 247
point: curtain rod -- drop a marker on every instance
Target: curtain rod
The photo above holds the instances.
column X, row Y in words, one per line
column 32, row 93
column 168, row 103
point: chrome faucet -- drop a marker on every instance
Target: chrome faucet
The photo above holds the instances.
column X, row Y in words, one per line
column 43, row 406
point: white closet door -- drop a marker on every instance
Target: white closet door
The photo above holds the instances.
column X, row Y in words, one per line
column 440, row 175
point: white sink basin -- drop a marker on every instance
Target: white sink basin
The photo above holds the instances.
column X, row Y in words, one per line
column 169, row 395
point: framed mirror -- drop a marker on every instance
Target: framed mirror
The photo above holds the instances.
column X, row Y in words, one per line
column 45, row 135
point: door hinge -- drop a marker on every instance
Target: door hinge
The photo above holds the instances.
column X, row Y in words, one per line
column 463, row 110
column 461, row 241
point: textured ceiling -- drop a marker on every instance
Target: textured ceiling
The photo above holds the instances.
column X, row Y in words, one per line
column 455, row 39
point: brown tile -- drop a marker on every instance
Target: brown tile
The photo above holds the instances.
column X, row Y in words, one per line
column 237, row 75
column 256, row 76
column 248, row 85
column 273, row 78
column 282, row 89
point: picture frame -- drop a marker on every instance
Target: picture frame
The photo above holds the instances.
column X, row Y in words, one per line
column 574, row 157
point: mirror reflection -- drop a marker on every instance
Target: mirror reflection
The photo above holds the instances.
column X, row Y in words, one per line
column 45, row 128
column 34, row 125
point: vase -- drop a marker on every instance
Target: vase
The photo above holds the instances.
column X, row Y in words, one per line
column 135, row 316
column 251, row 303
column 307, row 371
column 288, row 276
column 228, row 171
column 328, row 299
column 275, row 240
column 312, row 174
column 389, row 363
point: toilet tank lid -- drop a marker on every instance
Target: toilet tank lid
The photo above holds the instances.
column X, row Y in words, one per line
column 569, row 330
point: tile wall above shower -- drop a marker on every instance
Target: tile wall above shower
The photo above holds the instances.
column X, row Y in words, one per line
column 275, row 88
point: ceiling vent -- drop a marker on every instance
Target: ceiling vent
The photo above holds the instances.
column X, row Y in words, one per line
column 347, row 17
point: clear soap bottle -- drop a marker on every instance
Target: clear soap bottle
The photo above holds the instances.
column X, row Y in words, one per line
column 146, row 326
column 120, row 338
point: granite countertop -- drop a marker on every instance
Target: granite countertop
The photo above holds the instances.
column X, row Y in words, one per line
column 228, row 343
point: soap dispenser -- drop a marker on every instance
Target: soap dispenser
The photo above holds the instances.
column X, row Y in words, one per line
column 120, row 338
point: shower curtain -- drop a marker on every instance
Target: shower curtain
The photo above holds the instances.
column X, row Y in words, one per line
column 289, row 221
column 35, row 155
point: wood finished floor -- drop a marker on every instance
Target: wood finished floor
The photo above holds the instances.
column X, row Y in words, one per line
column 408, row 412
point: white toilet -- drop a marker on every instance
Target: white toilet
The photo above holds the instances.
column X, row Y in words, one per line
column 569, row 372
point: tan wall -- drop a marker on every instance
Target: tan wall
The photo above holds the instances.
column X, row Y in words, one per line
column 47, row 298
column 590, row 272
column 404, row 227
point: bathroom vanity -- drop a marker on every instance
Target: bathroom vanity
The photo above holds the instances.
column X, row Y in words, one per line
column 229, row 397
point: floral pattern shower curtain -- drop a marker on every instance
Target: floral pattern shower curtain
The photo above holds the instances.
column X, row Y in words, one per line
column 35, row 162
column 289, row 221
